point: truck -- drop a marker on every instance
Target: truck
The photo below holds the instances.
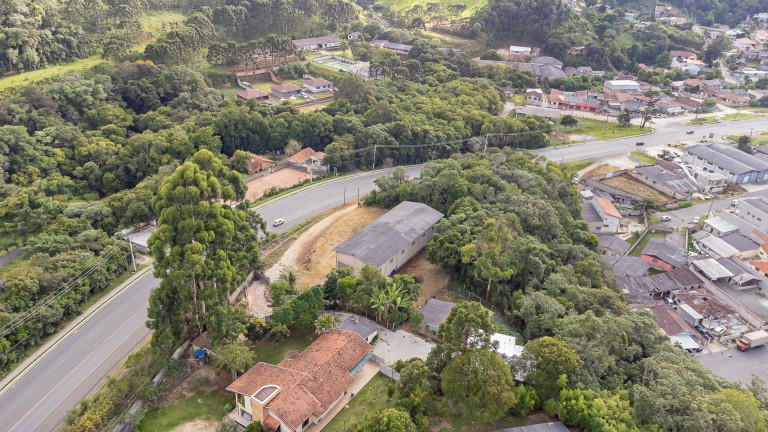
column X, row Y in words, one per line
column 752, row 340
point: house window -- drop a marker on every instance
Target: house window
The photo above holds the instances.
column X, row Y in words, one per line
column 306, row 422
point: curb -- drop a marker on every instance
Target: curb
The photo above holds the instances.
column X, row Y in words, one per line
column 343, row 177
column 39, row 356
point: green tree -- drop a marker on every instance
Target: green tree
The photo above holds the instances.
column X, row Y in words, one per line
column 467, row 327
column 202, row 249
column 240, row 161
column 624, row 117
column 389, row 420
column 489, row 253
column 744, row 144
column 235, row 356
column 279, row 334
column 552, row 358
column 569, row 120
column 326, row 322
column 479, row 385
column 226, row 323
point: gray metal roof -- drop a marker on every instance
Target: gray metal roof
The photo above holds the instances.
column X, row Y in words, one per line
column 538, row 111
column 665, row 251
column 385, row 237
column 613, row 243
column 589, row 213
column 436, row 311
column 630, row 266
column 362, row 326
column 720, row 224
column 719, row 246
column 712, row 269
column 547, row 60
column 542, row 427
column 398, row 46
column 740, row 242
column 759, row 203
column 673, row 181
column 728, row 158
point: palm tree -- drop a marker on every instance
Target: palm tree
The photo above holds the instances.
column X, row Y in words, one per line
column 379, row 302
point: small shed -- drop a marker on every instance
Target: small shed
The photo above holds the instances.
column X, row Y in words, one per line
column 366, row 328
column 689, row 315
column 435, row 312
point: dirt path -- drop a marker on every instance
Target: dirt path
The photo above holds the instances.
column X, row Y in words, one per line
column 197, row 426
column 431, row 277
column 311, row 254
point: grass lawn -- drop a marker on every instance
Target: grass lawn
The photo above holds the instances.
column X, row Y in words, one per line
column 205, row 406
column 626, row 39
column 455, row 42
column 640, row 246
column 26, row 78
column 153, row 22
column 372, row 398
column 307, row 108
column 732, row 116
column 230, row 93
column 571, row 168
column 267, row 352
column 643, row 157
column 472, row 5
column 604, row 130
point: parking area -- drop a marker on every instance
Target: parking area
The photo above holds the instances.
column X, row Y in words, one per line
column 737, row 366
column 280, row 179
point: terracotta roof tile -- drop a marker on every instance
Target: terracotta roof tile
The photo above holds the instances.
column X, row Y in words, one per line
column 608, row 207
column 760, row 265
column 304, row 155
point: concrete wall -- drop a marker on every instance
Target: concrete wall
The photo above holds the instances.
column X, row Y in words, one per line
column 657, row 263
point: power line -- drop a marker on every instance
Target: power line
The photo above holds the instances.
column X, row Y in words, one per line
column 60, row 292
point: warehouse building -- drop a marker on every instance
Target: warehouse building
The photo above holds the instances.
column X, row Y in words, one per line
column 738, row 167
column 391, row 240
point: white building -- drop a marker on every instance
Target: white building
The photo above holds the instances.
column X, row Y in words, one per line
column 737, row 167
column 621, row 85
column 513, row 49
column 607, row 211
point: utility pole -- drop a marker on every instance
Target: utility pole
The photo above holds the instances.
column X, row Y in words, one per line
column 374, row 157
column 345, row 195
column 310, row 172
column 133, row 260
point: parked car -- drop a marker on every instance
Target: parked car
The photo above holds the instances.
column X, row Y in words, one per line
column 278, row 222
column 734, row 202
column 665, row 218
column 690, row 132
column 718, row 331
column 696, row 220
column 639, row 143
column 709, row 196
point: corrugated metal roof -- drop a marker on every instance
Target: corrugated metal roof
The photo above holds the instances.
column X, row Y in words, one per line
column 712, row 269
column 721, row 225
column 719, row 246
column 436, row 311
column 665, row 251
column 385, row 237
column 728, row 158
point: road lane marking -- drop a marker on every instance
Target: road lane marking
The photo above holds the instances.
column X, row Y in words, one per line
column 76, row 368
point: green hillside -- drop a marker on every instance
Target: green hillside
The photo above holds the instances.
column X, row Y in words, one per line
column 398, row 5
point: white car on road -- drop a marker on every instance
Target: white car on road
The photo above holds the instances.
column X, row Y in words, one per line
column 278, row 222
column 665, row 218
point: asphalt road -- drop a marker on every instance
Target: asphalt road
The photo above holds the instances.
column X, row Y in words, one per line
column 738, row 366
column 665, row 134
column 684, row 217
column 72, row 370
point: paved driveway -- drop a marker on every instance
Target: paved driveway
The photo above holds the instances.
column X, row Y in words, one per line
column 738, row 366
column 400, row 345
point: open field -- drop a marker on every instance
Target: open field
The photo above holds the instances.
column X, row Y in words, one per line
column 603, row 169
column 449, row 41
column 631, row 185
column 731, row 116
column 307, row 108
column 31, row 77
column 157, row 22
column 472, row 5
column 602, row 130
column 204, row 406
column 432, row 278
column 280, row 179
column 626, row 39
column 643, row 157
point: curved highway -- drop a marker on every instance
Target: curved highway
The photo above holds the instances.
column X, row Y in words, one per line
column 39, row 399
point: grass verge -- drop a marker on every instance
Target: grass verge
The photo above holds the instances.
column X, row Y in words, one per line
column 206, row 406
column 644, row 158
column 602, row 130
column 267, row 352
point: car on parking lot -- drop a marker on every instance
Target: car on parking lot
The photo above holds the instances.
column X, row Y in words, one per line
column 690, row 132
column 278, row 222
column 639, row 143
column 709, row 196
column 665, row 218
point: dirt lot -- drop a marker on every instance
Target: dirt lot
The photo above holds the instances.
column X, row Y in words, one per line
column 631, row 185
column 280, row 179
column 311, row 254
column 431, row 277
column 603, row 169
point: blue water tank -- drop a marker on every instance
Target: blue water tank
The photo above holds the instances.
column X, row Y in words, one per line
column 199, row 353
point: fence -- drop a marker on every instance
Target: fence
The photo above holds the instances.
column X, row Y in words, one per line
column 472, row 296
column 383, row 368
column 243, row 285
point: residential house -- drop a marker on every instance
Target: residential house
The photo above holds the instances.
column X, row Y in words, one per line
column 716, row 247
column 760, row 266
column 286, row 90
column 732, row 100
column 541, row 427
column 682, row 55
column 744, row 43
column 715, row 84
column 629, row 265
column 521, row 50
column 670, row 107
column 711, row 269
column 670, row 322
column 317, row 43
column 691, row 83
column 755, row 210
column 317, row 85
column 366, row 328
column 641, row 26
column 710, row 182
column 548, row 113
column 435, row 312
column 298, row 393
column 718, row 226
column 580, row 103
column 639, row 290
column 398, row 47
column 670, row 183
column 613, row 86
column 663, row 255
column 691, row 68
column 737, row 166
column 256, row 163
column 306, row 157
column 591, row 216
column 577, row 50
column 534, row 95
column 685, row 278
column 584, row 70
column 608, row 213
column 354, row 36
column 546, row 60
column 252, row 94
column 688, row 104
column 508, row 91
column 391, row 240
column 612, row 248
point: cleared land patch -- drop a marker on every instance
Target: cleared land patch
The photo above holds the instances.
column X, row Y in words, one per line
column 631, row 185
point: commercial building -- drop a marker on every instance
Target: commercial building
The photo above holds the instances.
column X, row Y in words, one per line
column 391, row 240
column 738, row 167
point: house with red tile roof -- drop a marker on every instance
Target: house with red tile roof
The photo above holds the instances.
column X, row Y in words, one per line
column 317, row 85
column 298, row 393
column 252, row 94
column 608, row 213
column 256, row 163
column 307, row 157
column 286, row 90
